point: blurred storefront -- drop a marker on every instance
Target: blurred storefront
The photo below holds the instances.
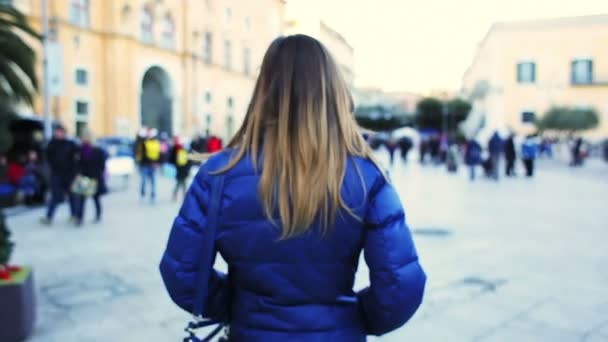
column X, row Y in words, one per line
column 521, row 69
column 183, row 67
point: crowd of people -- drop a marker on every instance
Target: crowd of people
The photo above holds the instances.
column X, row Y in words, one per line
column 77, row 172
column 497, row 155
column 153, row 152
column 499, row 149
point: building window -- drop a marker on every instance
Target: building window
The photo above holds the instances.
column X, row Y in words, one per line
column 228, row 55
column 247, row 61
column 208, row 120
column 230, row 126
column 82, row 108
column 526, row 72
column 82, row 77
column 168, row 31
column 582, row 71
column 208, row 97
column 208, row 48
column 147, row 25
column 230, row 105
column 528, row 117
column 228, row 14
column 79, row 12
column 247, row 23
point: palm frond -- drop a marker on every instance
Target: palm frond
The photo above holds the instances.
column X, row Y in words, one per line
column 15, row 82
column 13, row 48
column 10, row 17
column 18, row 82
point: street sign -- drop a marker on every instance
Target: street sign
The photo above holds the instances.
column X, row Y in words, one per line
column 55, row 69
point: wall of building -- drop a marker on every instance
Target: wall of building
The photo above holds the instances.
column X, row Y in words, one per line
column 111, row 49
column 552, row 46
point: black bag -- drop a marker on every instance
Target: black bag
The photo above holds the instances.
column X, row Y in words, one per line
column 208, row 248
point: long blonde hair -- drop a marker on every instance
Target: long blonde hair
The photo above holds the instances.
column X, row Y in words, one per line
column 299, row 125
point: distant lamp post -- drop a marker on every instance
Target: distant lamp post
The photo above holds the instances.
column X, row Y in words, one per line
column 445, row 116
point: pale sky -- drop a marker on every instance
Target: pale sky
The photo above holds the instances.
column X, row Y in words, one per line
column 422, row 45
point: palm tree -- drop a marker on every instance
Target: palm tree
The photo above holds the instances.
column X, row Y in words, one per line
column 18, row 81
column 18, row 85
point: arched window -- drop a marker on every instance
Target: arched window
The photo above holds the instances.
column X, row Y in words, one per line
column 168, row 31
column 79, row 13
column 147, row 25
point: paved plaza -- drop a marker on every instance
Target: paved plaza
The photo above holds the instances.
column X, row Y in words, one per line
column 518, row 260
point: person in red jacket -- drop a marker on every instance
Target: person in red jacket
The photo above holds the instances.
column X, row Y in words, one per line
column 214, row 144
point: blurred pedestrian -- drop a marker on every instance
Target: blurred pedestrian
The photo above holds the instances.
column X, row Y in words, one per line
column 198, row 144
column 391, row 146
column 472, row 157
column 61, row 155
column 292, row 227
column 149, row 163
column 422, row 150
column 529, row 150
column 92, row 165
column 33, row 182
column 577, row 152
column 180, row 159
column 546, row 148
column 138, row 145
column 495, row 148
column 214, row 144
column 405, row 145
column 510, row 155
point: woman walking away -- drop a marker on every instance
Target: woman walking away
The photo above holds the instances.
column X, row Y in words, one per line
column 179, row 158
column 289, row 205
column 91, row 165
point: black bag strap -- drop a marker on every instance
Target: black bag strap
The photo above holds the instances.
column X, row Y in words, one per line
column 208, row 247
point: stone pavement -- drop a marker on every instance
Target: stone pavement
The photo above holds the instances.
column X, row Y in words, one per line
column 518, row 260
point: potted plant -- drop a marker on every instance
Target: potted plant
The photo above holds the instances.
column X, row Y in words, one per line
column 19, row 86
column 17, row 297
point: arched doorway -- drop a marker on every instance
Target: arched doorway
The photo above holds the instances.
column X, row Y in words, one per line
column 157, row 100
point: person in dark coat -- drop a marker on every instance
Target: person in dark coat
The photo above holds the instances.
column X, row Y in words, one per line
column 91, row 164
column 405, row 145
column 61, row 156
column 180, row 159
column 391, row 146
column 294, row 215
column 495, row 148
column 577, row 153
column 510, row 156
column 472, row 157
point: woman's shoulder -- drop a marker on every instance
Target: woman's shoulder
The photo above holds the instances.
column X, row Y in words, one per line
column 368, row 167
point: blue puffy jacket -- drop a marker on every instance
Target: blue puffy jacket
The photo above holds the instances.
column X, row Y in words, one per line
column 300, row 289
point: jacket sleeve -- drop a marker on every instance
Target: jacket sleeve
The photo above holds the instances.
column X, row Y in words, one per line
column 180, row 263
column 396, row 278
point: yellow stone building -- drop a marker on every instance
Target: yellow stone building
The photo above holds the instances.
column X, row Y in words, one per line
column 523, row 68
column 182, row 66
column 300, row 19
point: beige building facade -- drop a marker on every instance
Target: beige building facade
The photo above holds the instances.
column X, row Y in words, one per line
column 183, row 67
column 524, row 68
column 314, row 26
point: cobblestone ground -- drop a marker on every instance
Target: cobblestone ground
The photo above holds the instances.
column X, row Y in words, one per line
column 518, row 260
